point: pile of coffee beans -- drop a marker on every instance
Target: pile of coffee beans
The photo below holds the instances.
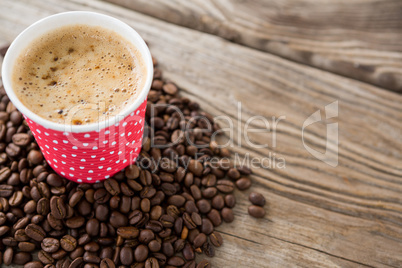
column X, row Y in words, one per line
column 161, row 212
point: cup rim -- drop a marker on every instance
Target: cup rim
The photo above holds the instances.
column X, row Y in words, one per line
column 140, row 44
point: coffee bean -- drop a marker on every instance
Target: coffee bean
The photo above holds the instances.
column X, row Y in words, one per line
column 204, row 264
column 26, row 246
column 13, row 150
column 230, row 200
column 128, row 232
column 33, row 264
column 91, row 257
column 257, row 199
column 21, row 258
column 118, row 220
column 126, row 256
column 208, row 249
column 190, row 264
column 146, row 236
column 176, row 200
column 77, row 263
column 5, row 173
column 101, row 196
column 102, row 212
column 58, row 208
column 195, row 167
column 176, row 261
column 145, row 205
column 188, row 252
column 35, row 232
column 6, row 190
column 218, row 202
column 216, row 239
column 92, row 247
column 68, row 243
column 209, row 192
column 227, row 214
column 256, row 211
column 141, row 253
column 35, row 157
column 75, row 222
column 21, row 139
column 151, row 263
column 107, row 263
column 204, row 206
column 225, row 186
column 243, row 184
column 132, row 172
column 199, row 240
column 54, row 180
column 21, row 223
column 45, row 257
column 112, row 186
column 215, row 217
column 92, row 227
column 50, row 244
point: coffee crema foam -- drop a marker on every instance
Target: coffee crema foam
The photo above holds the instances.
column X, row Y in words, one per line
column 78, row 74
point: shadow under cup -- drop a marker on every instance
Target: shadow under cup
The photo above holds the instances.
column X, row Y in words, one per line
column 93, row 152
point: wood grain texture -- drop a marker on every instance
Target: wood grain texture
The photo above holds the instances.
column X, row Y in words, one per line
column 354, row 38
column 317, row 215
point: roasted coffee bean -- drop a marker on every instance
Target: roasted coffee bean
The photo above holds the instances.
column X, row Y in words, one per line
column 167, row 221
column 112, row 186
column 190, row 264
column 77, row 263
column 118, row 220
column 13, row 150
column 199, row 240
column 204, row 264
column 215, row 217
column 179, row 244
column 257, row 199
column 216, row 239
column 141, row 253
column 154, row 245
column 243, row 184
column 21, row 258
column 21, row 223
column 132, row 172
column 102, row 212
column 208, row 249
column 146, row 236
column 204, row 206
column 188, row 252
column 233, row 173
column 218, row 202
column 68, row 243
column 107, row 263
column 145, row 205
column 19, row 236
column 160, row 257
column 35, row 232
column 196, row 218
column 188, row 221
column 128, row 232
column 75, row 198
column 227, row 214
column 45, row 257
column 101, row 196
column 92, row 227
column 256, row 211
column 43, row 206
column 21, row 139
column 35, row 157
column 33, row 264
column 58, row 208
column 50, row 245
column 8, row 256
column 126, row 256
column 75, row 222
column 167, row 249
column 92, row 247
column 6, row 190
column 176, row 261
column 230, row 200
column 151, row 263
column 91, row 257
column 225, row 186
column 195, row 167
column 209, row 192
column 26, row 246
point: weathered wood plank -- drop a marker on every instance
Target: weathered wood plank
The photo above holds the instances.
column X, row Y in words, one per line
column 357, row 39
column 317, row 215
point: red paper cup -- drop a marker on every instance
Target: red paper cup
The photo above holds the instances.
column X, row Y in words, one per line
column 93, row 152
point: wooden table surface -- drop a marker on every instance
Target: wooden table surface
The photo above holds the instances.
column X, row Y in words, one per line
column 286, row 58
